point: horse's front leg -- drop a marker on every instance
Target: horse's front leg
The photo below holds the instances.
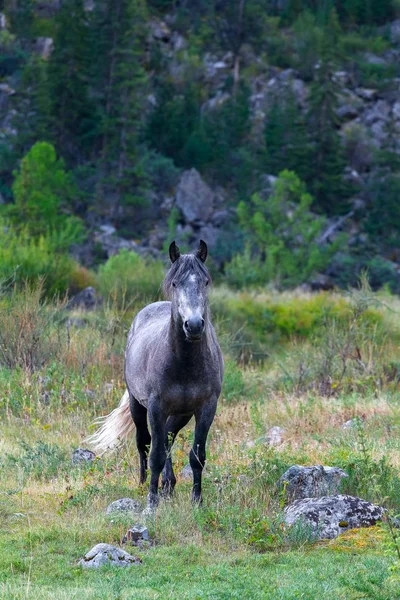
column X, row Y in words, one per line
column 204, row 419
column 158, row 452
column 174, row 424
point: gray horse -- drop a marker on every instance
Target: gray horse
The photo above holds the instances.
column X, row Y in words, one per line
column 173, row 370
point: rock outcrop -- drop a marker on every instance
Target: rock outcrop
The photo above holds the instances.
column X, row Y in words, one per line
column 329, row 516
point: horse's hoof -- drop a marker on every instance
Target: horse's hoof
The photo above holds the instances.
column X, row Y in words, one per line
column 149, row 511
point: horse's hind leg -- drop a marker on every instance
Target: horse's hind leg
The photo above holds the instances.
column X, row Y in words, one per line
column 143, row 438
column 174, row 424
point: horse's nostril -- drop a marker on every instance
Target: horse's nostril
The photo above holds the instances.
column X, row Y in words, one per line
column 202, row 323
column 186, row 324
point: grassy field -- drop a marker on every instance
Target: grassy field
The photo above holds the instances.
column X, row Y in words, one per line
column 305, row 363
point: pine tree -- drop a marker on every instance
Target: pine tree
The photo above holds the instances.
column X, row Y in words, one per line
column 286, row 140
column 120, row 78
column 72, row 109
column 327, row 155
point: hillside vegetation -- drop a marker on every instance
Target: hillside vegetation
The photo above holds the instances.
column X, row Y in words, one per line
column 126, row 124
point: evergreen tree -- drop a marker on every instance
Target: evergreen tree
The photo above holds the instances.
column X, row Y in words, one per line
column 286, row 140
column 72, row 109
column 119, row 27
column 327, row 153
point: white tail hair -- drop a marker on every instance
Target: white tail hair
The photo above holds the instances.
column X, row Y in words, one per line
column 114, row 427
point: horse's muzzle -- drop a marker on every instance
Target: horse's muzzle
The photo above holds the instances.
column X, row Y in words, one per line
column 194, row 328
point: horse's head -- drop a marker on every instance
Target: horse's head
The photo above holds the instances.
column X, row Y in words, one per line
column 186, row 284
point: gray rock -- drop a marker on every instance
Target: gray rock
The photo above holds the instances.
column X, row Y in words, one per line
column 186, row 473
column 396, row 111
column 395, row 31
column 160, row 30
column 352, row 424
column 111, row 243
column 311, row 482
column 366, row 93
column 44, row 47
column 274, row 436
column 329, row 516
column 82, row 455
column 380, row 111
column 87, row 299
column 347, row 111
column 194, row 198
column 220, row 217
column 106, row 554
column 373, row 59
column 123, row 505
column 209, row 234
column 135, row 534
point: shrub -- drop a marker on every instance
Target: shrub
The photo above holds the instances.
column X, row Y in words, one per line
column 128, row 276
column 30, row 331
column 25, row 259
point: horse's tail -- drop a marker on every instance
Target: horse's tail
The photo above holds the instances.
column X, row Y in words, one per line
column 114, row 427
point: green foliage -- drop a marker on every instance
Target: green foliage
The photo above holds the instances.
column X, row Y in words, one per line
column 284, row 234
column 43, row 192
column 24, row 258
column 128, row 276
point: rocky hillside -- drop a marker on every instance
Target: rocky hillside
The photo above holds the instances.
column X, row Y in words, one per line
column 168, row 118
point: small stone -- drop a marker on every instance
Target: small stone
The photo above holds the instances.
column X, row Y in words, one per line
column 274, row 436
column 123, row 505
column 329, row 516
column 352, row 424
column 82, row 455
column 186, row 473
column 311, row 482
column 106, row 554
column 136, row 534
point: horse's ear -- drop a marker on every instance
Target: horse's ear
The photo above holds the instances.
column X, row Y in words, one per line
column 174, row 252
column 202, row 251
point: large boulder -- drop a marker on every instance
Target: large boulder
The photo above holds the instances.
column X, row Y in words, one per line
column 194, row 198
column 311, row 482
column 329, row 516
column 106, row 554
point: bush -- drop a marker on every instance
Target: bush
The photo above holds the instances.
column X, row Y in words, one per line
column 25, row 259
column 128, row 276
column 30, row 331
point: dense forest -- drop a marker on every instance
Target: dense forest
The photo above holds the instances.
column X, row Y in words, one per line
column 267, row 127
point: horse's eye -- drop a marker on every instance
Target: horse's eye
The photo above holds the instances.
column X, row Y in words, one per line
column 174, row 284
column 206, row 281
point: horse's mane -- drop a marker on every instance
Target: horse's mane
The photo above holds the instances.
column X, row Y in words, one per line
column 185, row 265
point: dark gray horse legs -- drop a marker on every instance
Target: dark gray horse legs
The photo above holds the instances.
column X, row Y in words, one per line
column 204, row 421
column 158, row 453
column 174, row 424
column 143, row 438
